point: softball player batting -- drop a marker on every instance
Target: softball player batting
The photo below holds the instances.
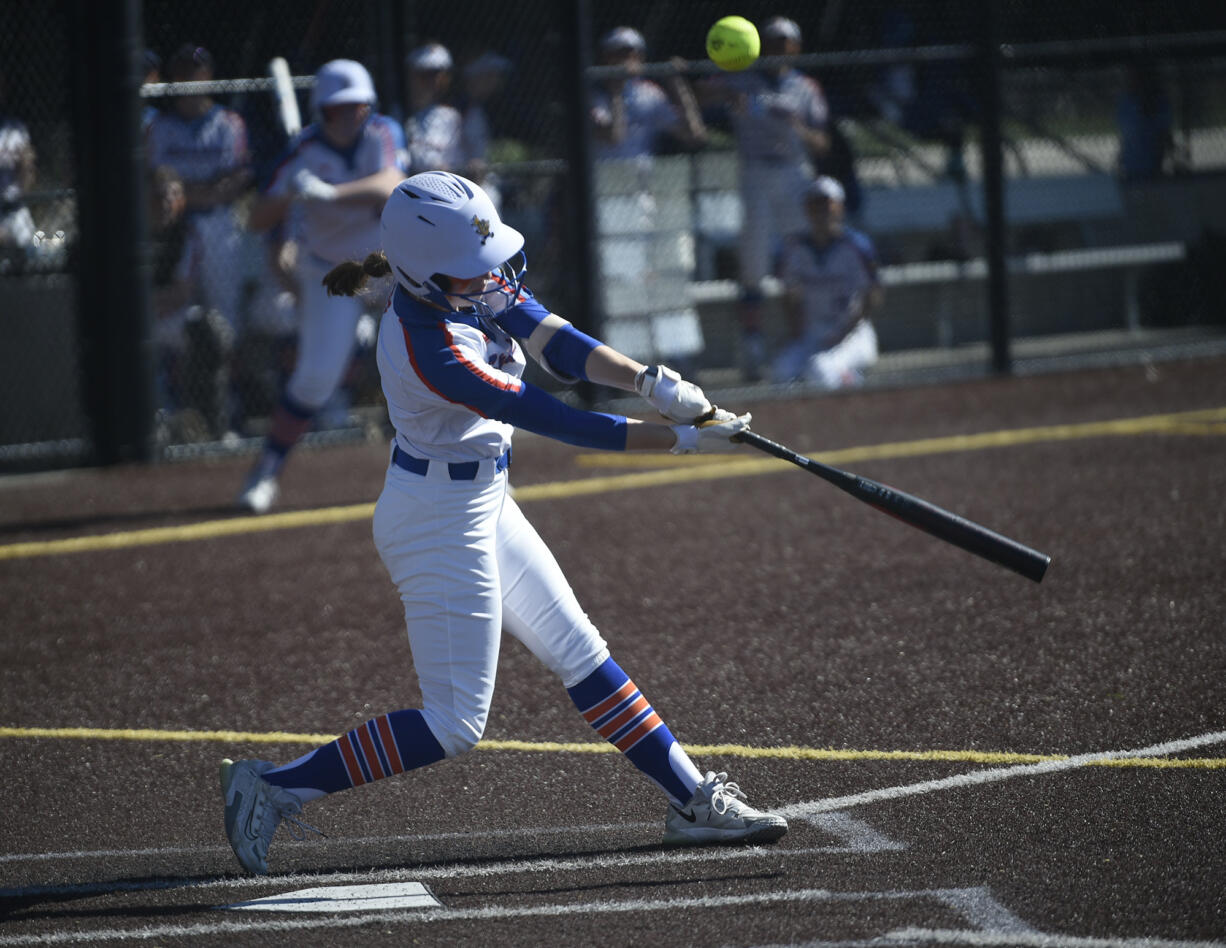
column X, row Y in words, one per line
column 339, row 171
column 451, row 352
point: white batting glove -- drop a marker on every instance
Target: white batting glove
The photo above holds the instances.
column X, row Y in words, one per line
column 670, row 394
column 310, row 187
column 711, row 437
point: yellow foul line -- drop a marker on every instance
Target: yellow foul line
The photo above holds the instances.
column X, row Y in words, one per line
column 588, row 747
column 666, row 470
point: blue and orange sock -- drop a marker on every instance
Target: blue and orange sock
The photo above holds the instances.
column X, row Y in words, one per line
column 611, row 704
column 382, row 747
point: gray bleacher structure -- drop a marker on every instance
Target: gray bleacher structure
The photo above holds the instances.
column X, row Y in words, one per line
column 1080, row 242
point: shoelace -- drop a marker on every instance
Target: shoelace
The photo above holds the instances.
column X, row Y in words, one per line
column 725, row 795
column 287, row 807
column 298, row 829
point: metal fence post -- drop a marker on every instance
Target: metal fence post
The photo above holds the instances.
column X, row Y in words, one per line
column 580, row 185
column 111, row 257
column 990, row 143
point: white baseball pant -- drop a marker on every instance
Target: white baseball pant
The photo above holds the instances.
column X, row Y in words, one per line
column 468, row 564
column 326, row 329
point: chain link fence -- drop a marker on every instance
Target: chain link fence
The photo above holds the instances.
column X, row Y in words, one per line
column 663, row 201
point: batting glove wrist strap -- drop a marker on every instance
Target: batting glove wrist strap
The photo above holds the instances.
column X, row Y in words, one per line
column 670, row 394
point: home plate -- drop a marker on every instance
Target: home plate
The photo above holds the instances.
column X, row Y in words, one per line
column 346, row 898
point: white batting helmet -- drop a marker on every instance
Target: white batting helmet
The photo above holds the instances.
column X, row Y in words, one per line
column 340, row 82
column 439, row 223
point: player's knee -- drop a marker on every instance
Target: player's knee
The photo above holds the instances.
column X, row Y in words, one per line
column 455, row 734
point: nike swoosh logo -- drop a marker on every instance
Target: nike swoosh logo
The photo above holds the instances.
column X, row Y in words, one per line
column 688, row 817
column 232, row 811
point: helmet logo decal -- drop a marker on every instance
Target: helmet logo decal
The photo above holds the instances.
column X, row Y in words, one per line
column 482, row 227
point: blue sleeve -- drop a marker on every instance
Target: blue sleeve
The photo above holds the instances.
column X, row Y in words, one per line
column 569, row 348
column 537, row 411
column 449, row 373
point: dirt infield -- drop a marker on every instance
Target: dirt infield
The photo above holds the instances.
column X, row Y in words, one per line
column 928, row 721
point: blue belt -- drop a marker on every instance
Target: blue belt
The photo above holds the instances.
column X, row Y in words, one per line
column 459, row 470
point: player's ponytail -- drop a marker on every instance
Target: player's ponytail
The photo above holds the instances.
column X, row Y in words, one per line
column 349, row 278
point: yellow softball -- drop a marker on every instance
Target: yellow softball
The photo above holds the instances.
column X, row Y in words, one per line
column 733, row 43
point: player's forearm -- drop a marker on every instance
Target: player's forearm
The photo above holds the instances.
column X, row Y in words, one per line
column 648, row 436
column 606, row 366
column 375, row 187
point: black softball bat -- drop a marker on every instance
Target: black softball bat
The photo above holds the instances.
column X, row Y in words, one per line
column 918, row 513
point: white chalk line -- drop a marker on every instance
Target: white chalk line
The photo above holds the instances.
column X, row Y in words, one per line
column 974, row 777
column 486, row 913
column 583, row 863
column 928, row 936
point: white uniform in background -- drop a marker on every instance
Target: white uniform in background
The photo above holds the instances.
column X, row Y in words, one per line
column 329, row 232
column 838, row 342
column 774, row 164
column 200, row 150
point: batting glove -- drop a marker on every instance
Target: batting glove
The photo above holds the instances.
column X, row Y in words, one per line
column 711, row 437
column 310, row 187
column 671, row 395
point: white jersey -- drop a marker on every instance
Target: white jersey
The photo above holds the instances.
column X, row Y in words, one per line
column 435, row 138
column 649, row 112
column 830, row 282
column 334, row 231
column 200, row 149
column 764, row 129
column 428, row 423
column 14, row 146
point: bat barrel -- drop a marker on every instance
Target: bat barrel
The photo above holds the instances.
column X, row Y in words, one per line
column 922, row 515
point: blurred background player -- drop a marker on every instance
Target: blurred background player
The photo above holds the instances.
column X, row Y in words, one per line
column 831, row 290
column 633, row 119
column 151, row 63
column 465, row 560
column 779, row 118
column 18, row 165
column 192, row 342
column 206, row 144
column 338, row 172
column 632, row 114
column 484, row 79
column 434, row 128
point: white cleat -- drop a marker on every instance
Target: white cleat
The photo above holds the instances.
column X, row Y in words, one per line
column 259, row 494
column 718, row 813
column 254, row 810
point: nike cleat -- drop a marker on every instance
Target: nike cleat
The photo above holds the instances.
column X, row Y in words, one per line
column 718, row 813
column 254, row 810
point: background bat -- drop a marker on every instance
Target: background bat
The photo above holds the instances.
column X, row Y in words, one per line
column 287, row 99
column 928, row 517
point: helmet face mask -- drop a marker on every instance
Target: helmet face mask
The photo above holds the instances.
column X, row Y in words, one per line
column 440, row 224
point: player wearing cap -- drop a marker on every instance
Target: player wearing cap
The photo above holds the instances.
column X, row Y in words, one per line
column 831, row 289
column 434, row 129
column 337, row 172
column 779, row 119
column 630, row 113
column 465, row 560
